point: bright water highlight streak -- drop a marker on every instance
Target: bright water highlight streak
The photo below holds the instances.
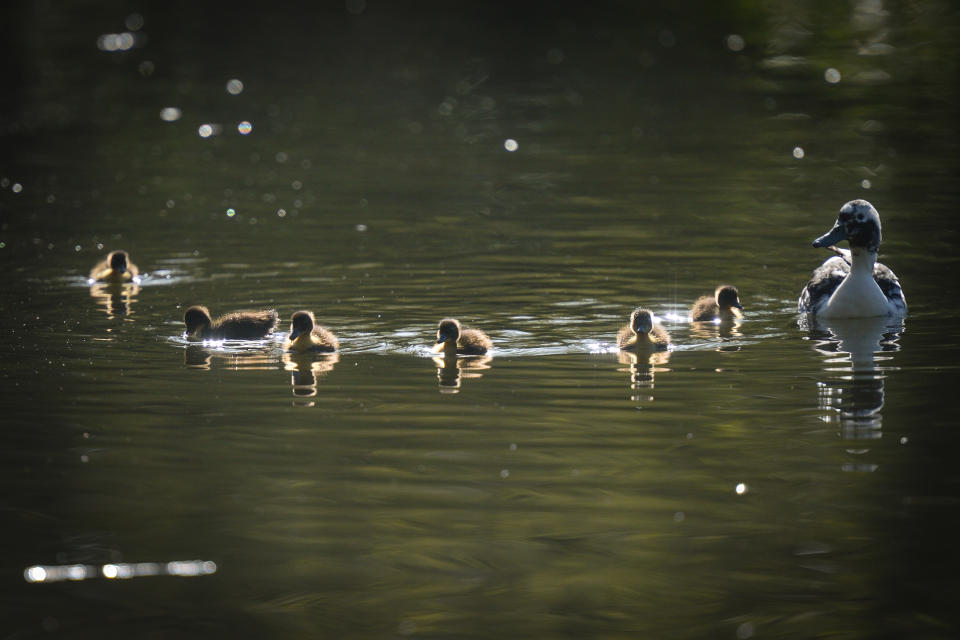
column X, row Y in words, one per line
column 119, row 571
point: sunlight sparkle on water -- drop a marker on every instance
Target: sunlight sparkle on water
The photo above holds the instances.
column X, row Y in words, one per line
column 244, row 128
column 234, row 86
column 510, row 145
column 231, row 212
column 831, row 75
column 741, row 489
column 205, row 130
column 798, row 153
column 121, row 571
column 865, row 183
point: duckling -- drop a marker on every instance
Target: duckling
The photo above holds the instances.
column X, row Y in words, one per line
column 853, row 284
column 237, row 325
column 458, row 341
column 723, row 305
column 115, row 268
column 642, row 333
column 306, row 335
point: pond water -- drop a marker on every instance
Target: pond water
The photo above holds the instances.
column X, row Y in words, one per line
column 537, row 174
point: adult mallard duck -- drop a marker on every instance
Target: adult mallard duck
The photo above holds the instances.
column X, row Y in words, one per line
column 237, row 325
column 115, row 268
column 642, row 333
column 723, row 305
column 853, row 284
column 452, row 339
column 306, row 335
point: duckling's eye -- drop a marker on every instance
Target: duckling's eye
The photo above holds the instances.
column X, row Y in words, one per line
column 860, row 217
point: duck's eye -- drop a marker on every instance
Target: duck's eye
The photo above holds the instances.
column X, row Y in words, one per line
column 860, row 217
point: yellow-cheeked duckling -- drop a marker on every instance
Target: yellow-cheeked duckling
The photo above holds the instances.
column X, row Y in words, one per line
column 307, row 335
column 453, row 340
column 724, row 305
column 115, row 268
column 642, row 333
column 237, row 325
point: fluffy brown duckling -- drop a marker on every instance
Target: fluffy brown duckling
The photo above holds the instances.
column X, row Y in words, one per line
column 454, row 340
column 642, row 333
column 307, row 335
column 723, row 305
column 236, row 325
column 115, row 268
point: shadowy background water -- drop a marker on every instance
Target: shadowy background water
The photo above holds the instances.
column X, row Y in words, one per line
column 772, row 481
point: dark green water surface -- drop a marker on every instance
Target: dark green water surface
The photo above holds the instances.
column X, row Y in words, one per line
column 772, row 480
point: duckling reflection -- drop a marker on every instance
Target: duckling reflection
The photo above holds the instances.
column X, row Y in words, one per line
column 116, row 268
column 853, row 393
column 451, row 370
column 725, row 330
column 116, row 299
column 306, row 368
column 642, row 369
column 196, row 356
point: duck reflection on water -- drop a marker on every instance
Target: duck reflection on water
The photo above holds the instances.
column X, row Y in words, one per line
column 198, row 356
column 116, row 298
column 452, row 369
column 852, row 394
column 642, row 368
column 305, row 369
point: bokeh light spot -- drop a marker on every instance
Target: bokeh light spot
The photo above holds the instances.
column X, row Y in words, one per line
column 510, row 145
column 134, row 22
column 234, row 87
column 231, row 213
column 355, row 7
column 866, row 184
column 245, row 128
column 205, row 130
column 741, row 489
column 170, row 114
column 735, row 42
column 831, row 75
column 798, row 153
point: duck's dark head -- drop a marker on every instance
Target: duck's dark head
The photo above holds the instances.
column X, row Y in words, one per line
column 641, row 321
column 728, row 297
column 196, row 317
column 301, row 323
column 858, row 223
column 118, row 260
column 448, row 329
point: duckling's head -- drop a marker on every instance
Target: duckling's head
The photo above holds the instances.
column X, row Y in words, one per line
column 858, row 223
column 118, row 261
column 301, row 323
column 641, row 321
column 448, row 329
column 728, row 297
column 196, row 317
